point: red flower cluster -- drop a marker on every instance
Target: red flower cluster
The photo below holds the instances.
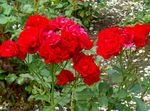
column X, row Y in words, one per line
column 65, row 77
column 85, row 66
column 112, row 40
column 55, row 40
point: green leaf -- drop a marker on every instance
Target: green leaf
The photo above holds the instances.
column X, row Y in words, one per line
column 41, row 2
column 45, row 73
column 136, row 88
column 68, row 12
column 29, row 89
column 65, row 100
column 80, row 88
column 116, row 77
column 3, row 19
column 122, row 94
column 103, row 101
column 3, row 1
column 103, row 87
column 46, row 108
column 122, row 107
column 81, row 106
column 95, row 106
column 27, row 9
column 11, row 78
column 20, row 80
column 12, row 19
column 84, row 95
column 7, row 8
column 27, row 76
column 59, row 5
column 40, row 97
column 140, row 105
column 86, row 4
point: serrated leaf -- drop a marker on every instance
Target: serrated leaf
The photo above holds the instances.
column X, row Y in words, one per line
column 11, row 78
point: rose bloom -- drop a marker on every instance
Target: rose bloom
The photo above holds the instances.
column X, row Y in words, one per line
column 141, row 32
column 86, row 67
column 8, row 49
column 110, row 42
column 28, row 40
column 65, row 77
column 36, row 21
column 52, row 49
column 128, row 36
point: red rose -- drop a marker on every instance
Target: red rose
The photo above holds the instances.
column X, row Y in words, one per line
column 59, row 22
column 28, row 40
column 50, row 38
column 109, row 42
column 65, row 77
column 89, row 80
column 36, row 21
column 128, row 36
column 51, row 49
column 21, row 54
column 85, row 42
column 70, row 43
column 85, row 66
column 53, row 54
column 8, row 49
column 141, row 32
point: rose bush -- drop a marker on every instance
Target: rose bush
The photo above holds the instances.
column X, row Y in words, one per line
column 48, row 62
column 61, row 41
